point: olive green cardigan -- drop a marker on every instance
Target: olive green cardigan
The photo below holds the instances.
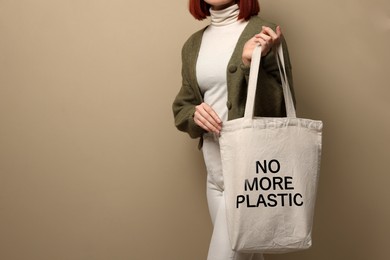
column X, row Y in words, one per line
column 269, row 96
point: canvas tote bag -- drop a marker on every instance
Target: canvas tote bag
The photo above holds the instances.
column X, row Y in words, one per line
column 271, row 169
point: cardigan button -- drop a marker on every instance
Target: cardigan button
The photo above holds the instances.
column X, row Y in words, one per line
column 229, row 105
column 232, row 68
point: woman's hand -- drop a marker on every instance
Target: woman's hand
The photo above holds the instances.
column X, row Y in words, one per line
column 267, row 38
column 206, row 118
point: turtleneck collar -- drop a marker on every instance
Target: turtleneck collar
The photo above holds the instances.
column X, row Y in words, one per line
column 226, row 16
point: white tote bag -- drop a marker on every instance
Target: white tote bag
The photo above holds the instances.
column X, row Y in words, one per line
column 271, row 170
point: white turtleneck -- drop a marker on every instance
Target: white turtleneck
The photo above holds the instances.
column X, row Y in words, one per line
column 218, row 43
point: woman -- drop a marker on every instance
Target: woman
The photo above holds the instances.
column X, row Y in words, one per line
column 215, row 72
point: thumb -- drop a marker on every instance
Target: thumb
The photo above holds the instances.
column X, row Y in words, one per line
column 278, row 31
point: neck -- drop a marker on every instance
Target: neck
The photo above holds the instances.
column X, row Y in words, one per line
column 225, row 16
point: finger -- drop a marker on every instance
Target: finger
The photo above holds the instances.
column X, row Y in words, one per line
column 279, row 35
column 208, row 115
column 276, row 36
column 212, row 113
column 265, row 47
column 278, row 31
column 200, row 123
column 262, row 42
column 205, row 123
column 255, row 41
column 265, row 37
column 270, row 32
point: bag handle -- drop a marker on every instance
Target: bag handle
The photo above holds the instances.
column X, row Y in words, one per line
column 252, row 84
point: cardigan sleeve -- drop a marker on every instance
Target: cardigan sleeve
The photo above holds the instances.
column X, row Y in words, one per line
column 184, row 104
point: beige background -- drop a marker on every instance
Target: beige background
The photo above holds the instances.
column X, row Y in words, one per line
column 91, row 166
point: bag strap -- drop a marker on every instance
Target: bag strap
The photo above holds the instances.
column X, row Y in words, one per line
column 290, row 108
column 252, row 84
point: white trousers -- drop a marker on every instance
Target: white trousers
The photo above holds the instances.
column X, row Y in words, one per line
column 220, row 248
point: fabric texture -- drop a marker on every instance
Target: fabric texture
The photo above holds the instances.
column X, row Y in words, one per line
column 220, row 247
column 270, row 169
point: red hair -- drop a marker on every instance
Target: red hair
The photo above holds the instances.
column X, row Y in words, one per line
column 200, row 9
